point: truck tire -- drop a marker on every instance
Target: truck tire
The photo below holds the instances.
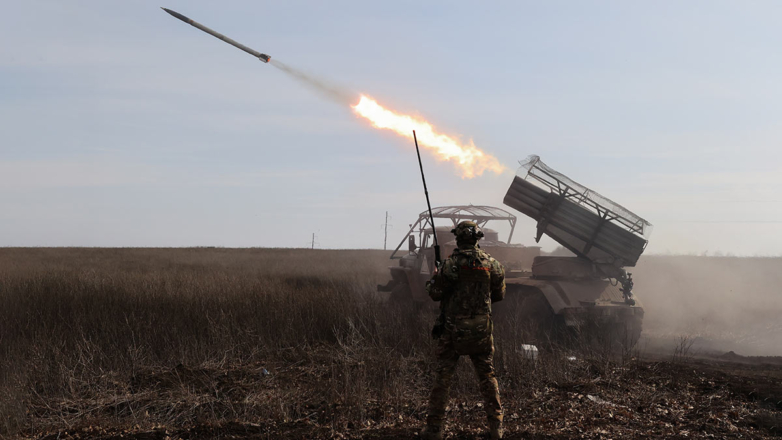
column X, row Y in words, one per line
column 524, row 317
column 401, row 294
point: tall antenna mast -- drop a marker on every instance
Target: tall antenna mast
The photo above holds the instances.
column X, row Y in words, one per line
column 385, row 228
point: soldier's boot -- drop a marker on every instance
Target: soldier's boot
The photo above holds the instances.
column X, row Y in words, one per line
column 431, row 432
column 495, row 429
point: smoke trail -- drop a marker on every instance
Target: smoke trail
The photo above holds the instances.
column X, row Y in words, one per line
column 471, row 160
column 327, row 90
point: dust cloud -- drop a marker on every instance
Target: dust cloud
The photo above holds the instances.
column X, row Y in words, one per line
column 325, row 89
column 719, row 303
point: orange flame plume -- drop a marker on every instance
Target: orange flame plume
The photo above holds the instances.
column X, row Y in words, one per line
column 469, row 158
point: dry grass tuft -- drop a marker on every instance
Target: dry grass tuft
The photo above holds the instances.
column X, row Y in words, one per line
column 270, row 343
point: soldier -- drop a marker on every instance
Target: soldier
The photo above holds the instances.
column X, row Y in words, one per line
column 466, row 285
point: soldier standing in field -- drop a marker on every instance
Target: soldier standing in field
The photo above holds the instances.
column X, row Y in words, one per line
column 466, row 285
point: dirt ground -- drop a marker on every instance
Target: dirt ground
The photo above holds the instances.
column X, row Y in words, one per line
column 719, row 397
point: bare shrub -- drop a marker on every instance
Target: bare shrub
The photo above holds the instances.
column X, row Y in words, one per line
column 681, row 351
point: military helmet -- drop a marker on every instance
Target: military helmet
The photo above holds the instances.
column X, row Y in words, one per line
column 467, row 231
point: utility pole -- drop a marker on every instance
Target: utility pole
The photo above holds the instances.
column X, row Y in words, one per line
column 385, row 237
column 313, row 240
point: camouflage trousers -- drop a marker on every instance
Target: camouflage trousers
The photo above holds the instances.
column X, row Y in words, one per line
column 449, row 349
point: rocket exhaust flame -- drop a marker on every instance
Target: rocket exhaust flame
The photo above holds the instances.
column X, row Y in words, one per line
column 467, row 157
column 470, row 160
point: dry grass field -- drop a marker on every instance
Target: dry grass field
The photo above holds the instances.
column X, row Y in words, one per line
column 278, row 343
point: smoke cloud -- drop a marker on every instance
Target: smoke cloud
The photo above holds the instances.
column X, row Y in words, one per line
column 325, row 89
column 720, row 303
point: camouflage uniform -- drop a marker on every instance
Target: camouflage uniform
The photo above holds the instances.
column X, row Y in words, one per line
column 468, row 282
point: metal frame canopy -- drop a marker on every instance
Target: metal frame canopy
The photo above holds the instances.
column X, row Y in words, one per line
column 480, row 214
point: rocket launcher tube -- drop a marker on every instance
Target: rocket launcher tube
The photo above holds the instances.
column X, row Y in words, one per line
column 262, row 56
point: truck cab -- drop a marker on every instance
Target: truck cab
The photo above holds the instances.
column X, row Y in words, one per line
column 415, row 267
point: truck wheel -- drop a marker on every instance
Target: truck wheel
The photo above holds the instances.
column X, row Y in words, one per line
column 525, row 318
column 615, row 338
column 401, row 294
column 630, row 332
column 540, row 320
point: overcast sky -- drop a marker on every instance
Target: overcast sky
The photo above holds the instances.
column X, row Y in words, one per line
column 122, row 126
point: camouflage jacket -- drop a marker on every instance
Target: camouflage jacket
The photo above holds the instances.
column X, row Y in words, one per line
column 469, row 281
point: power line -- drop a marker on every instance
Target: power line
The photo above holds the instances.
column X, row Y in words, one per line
column 313, row 242
column 385, row 232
